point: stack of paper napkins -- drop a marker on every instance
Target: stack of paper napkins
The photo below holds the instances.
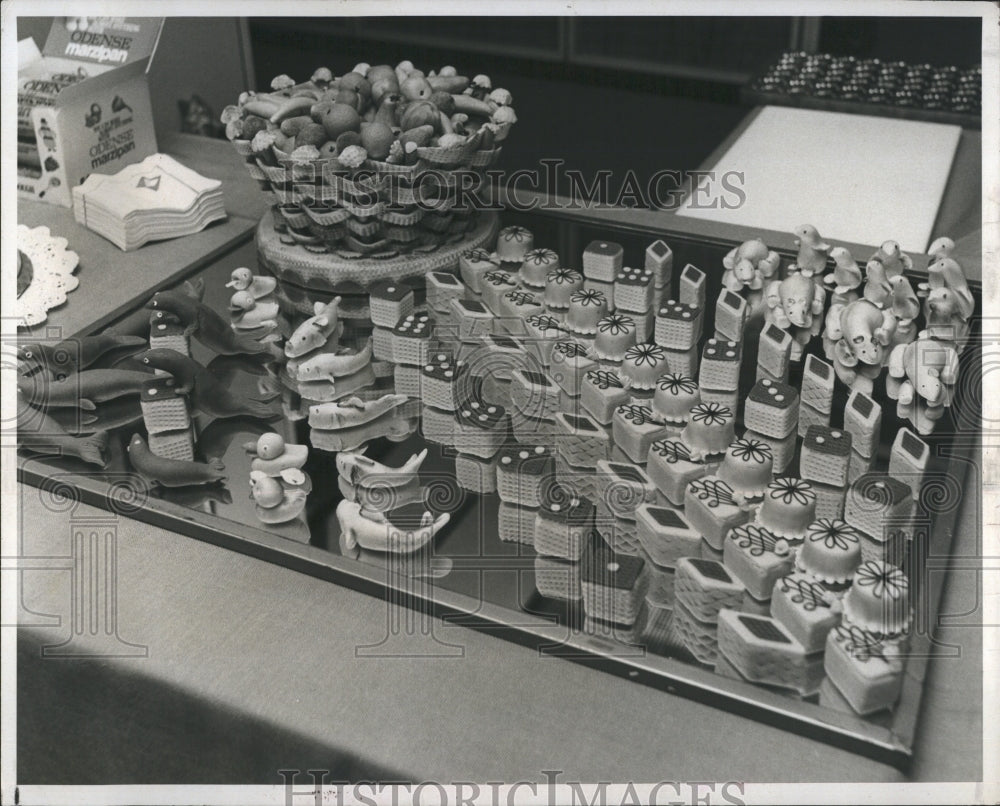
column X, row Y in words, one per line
column 151, row 200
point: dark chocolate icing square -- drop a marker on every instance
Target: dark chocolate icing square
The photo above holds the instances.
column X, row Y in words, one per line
column 711, row 569
column 658, row 248
column 471, row 305
column 415, row 326
column 783, row 396
column 817, row 367
column 603, row 249
column 628, row 472
column 390, row 291
column 445, row 278
column 734, row 301
column 722, row 351
column 775, row 334
column 693, row 273
column 667, row 518
column 863, row 404
column 580, row 423
column 912, row 445
column 764, row 629
column 536, row 378
column 832, row 441
column 602, row 566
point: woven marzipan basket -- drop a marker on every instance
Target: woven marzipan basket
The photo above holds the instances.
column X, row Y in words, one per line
column 376, row 207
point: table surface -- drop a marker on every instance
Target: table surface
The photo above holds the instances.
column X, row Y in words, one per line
column 252, row 667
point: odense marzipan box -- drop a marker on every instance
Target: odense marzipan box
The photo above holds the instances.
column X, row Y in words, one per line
column 83, row 103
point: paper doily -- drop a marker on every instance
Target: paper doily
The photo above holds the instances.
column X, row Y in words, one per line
column 46, row 267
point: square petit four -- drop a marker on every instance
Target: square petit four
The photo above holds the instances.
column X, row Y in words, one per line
column 633, row 290
column 704, row 587
column 438, row 426
column 516, row 307
column 859, row 465
column 382, row 343
column 495, row 356
column 691, row 286
column 541, row 332
column 476, row 473
column 563, row 525
column 671, row 467
column 163, row 409
column 473, row 264
column 602, row 260
column 621, row 636
column 516, row 524
column 411, row 339
column 659, row 259
column 495, row 284
column 610, row 582
column 531, row 431
column 472, row 320
column 720, row 365
column 524, row 473
column 731, row 314
column 729, row 400
column 678, row 325
column 568, row 364
column 711, row 510
column 173, row 444
column 879, row 505
column 698, row 637
column 557, row 578
column 601, row 393
column 167, row 333
column 817, row 384
column 390, row 301
column 808, row 416
column 757, row 558
column 866, row 670
column 772, row 408
column 660, row 580
column 764, row 651
column 829, row 500
column 495, row 390
column 755, row 606
column 407, row 380
column 825, row 455
column 442, row 382
column 622, row 487
column 682, row 362
column 579, row 481
column 481, row 428
column 806, row 609
column 774, row 354
column 533, row 394
column 635, row 428
column 863, row 421
column 582, row 441
column 908, row 459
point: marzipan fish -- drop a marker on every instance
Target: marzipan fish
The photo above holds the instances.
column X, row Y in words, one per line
column 171, row 472
column 83, row 390
column 39, row 433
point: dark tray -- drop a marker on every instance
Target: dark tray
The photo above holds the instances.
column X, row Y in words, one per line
column 469, row 576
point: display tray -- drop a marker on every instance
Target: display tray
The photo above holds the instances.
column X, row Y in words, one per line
column 467, row 574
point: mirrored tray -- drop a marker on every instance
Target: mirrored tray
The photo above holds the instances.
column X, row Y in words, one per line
column 467, row 574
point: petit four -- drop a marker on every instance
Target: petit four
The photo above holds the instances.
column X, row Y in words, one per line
column 658, row 634
column 774, row 354
column 754, row 606
column 568, row 364
column 879, row 599
column 515, row 307
column 523, row 474
column 682, row 362
column 808, row 416
column 783, row 449
column 633, row 290
column 495, row 284
column 481, row 429
column 622, row 487
column 712, row 511
column 831, row 552
column 720, row 365
column 757, row 557
column 865, row 669
column 772, row 408
column 789, row 507
column 863, row 421
column 476, row 473
column 747, row 468
column 586, row 309
column 665, row 535
column 602, row 260
column 601, row 393
column 610, row 582
column 381, row 343
column 709, row 430
column 560, row 285
column 541, row 332
column 606, row 290
column 908, row 459
column 442, row 288
column 577, row 480
column 727, row 399
column 557, row 578
column 817, row 385
column 859, row 465
column 764, row 651
column 806, row 609
column 642, row 365
column 731, row 315
column 582, row 442
column 167, row 332
column 674, row 397
column 441, row 380
column 536, row 267
column 678, row 325
column 516, row 524
column 659, row 581
column 616, row 333
column 634, row 428
column 621, row 534
column 881, row 508
column 163, row 408
column 660, row 260
column 473, row 264
column 390, row 301
column 175, row 445
column 825, row 455
column 407, row 380
column 829, row 501
column 513, row 243
column 411, row 339
column 671, row 466
column 691, row 286
column 705, row 587
column 534, row 395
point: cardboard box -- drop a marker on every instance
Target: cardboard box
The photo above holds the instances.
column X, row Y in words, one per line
column 83, row 103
